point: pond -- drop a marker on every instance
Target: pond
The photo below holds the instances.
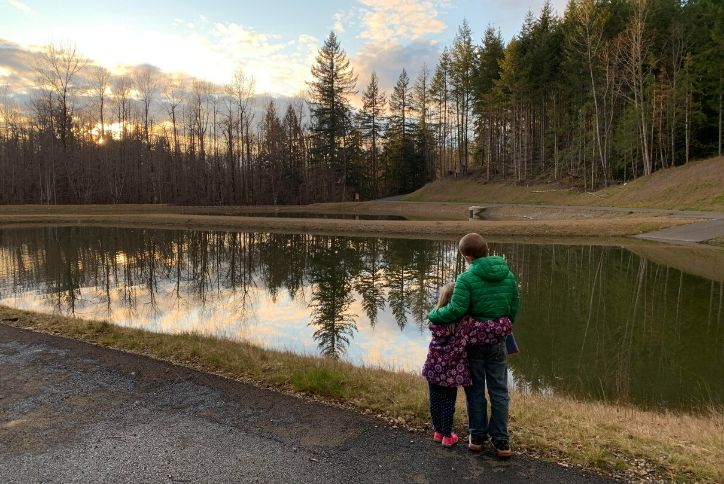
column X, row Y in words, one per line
column 596, row 322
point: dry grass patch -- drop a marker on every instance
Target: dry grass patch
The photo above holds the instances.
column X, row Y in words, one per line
column 619, row 440
column 695, row 186
column 718, row 242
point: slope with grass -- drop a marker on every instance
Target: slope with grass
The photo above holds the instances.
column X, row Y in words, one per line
column 699, row 185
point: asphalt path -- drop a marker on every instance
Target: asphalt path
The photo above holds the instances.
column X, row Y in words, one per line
column 74, row 412
column 696, row 232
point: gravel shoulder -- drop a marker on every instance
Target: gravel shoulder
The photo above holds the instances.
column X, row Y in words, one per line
column 74, row 412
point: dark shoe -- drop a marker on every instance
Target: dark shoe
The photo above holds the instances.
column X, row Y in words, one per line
column 502, row 449
column 475, row 443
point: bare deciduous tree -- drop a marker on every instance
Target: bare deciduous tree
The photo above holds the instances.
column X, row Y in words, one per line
column 58, row 72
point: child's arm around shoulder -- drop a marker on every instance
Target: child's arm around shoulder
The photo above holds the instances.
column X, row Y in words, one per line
column 456, row 308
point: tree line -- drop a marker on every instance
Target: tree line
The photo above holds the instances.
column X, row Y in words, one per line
column 608, row 91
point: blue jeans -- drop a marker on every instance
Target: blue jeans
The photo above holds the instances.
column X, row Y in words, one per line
column 488, row 367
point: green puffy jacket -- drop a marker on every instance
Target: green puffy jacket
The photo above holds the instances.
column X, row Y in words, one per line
column 487, row 290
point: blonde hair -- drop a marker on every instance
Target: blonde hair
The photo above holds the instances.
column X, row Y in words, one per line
column 446, row 293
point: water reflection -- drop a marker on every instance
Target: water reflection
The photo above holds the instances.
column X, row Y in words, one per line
column 596, row 322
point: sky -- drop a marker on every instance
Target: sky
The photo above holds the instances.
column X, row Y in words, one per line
column 274, row 41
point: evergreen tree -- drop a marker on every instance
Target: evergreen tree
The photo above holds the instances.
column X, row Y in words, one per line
column 371, row 124
column 403, row 155
column 271, row 149
column 487, row 71
column 439, row 92
column 422, row 102
column 294, row 154
column 334, row 81
column 462, row 56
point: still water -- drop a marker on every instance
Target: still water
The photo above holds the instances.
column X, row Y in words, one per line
column 596, row 322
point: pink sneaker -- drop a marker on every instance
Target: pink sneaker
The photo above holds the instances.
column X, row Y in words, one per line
column 437, row 437
column 450, row 441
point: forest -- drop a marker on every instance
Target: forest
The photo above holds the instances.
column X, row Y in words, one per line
column 607, row 91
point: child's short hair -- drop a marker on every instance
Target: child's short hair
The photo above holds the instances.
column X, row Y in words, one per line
column 446, row 293
column 473, row 245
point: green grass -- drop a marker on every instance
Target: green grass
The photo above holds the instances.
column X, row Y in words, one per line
column 615, row 439
column 323, row 381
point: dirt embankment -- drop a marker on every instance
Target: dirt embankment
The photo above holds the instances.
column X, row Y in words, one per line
column 180, row 217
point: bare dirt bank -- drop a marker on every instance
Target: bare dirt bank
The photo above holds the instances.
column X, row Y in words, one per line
column 168, row 217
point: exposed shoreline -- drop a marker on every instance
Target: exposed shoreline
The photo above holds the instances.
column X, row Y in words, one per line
column 170, row 217
column 617, row 440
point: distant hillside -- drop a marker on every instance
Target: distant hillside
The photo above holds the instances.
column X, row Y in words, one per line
column 699, row 185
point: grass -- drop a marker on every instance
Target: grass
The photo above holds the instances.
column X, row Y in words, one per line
column 322, row 380
column 614, row 439
column 695, row 186
column 718, row 242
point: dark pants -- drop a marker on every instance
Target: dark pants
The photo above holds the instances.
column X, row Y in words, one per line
column 488, row 367
column 442, row 408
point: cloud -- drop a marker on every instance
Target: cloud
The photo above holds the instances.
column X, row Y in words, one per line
column 20, row 6
column 388, row 60
column 340, row 19
column 16, row 67
column 535, row 5
column 210, row 51
column 400, row 20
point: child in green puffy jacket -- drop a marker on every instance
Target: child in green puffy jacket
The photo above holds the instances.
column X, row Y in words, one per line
column 487, row 290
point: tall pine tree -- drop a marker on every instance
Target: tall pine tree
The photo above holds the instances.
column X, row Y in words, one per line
column 371, row 124
column 334, row 81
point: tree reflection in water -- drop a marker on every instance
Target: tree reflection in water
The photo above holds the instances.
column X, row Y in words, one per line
column 599, row 322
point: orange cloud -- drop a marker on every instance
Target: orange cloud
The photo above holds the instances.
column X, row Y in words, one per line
column 399, row 20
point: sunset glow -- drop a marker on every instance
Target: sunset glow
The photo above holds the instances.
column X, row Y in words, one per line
column 274, row 43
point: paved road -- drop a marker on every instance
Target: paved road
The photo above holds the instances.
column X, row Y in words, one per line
column 72, row 412
column 696, row 232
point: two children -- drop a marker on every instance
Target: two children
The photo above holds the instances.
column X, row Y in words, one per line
column 471, row 322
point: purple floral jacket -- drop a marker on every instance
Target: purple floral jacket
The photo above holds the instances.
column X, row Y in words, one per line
column 447, row 359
